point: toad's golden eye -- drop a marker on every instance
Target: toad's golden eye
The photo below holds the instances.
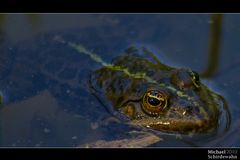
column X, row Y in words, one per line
column 154, row 102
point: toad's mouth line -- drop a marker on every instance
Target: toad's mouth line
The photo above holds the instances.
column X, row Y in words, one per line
column 177, row 125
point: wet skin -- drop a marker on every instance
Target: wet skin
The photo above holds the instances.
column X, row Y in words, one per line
column 151, row 94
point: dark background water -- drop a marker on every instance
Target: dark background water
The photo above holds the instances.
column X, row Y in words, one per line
column 39, row 117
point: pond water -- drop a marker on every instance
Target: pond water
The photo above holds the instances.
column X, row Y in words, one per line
column 46, row 101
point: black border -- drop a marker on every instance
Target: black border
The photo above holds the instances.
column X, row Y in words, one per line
column 113, row 154
column 119, row 6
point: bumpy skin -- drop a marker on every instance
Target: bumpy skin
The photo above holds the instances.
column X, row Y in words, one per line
column 191, row 106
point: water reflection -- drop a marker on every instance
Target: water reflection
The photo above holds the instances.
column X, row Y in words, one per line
column 2, row 21
column 215, row 38
column 33, row 19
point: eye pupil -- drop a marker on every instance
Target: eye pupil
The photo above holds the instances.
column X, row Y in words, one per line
column 153, row 101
